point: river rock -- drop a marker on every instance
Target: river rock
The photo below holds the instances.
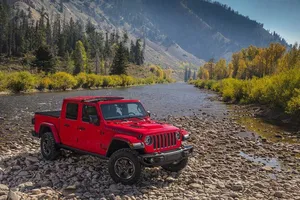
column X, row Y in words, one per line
column 32, row 159
column 114, row 189
column 237, row 187
column 195, row 186
column 279, row 194
column 13, row 195
column 267, row 168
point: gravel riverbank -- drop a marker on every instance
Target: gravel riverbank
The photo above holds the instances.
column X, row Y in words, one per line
column 223, row 166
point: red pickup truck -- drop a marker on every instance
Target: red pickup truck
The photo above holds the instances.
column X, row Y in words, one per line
column 112, row 128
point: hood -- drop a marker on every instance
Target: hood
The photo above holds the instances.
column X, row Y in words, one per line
column 146, row 127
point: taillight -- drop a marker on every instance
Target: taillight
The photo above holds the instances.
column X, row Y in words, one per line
column 33, row 121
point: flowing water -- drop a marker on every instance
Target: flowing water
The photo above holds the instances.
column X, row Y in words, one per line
column 162, row 100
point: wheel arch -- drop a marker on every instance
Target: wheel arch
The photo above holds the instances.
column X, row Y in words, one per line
column 47, row 127
column 115, row 145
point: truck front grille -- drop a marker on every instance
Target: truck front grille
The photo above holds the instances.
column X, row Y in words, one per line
column 165, row 140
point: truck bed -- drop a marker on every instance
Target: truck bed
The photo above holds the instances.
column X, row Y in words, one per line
column 55, row 114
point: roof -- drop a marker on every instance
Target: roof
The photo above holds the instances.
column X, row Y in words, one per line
column 94, row 98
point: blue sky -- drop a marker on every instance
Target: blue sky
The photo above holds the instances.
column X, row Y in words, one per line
column 281, row 16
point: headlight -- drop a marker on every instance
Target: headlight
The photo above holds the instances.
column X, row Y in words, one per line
column 148, row 140
column 185, row 137
column 178, row 135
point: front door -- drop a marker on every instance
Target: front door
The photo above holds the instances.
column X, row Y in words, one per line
column 89, row 133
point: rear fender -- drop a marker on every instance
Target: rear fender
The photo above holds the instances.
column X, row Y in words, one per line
column 52, row 128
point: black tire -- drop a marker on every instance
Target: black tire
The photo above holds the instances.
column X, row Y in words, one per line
column 176, row 167
column 128, row 173
column 49, row 149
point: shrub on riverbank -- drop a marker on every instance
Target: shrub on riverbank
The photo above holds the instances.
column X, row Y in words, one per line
column 279, row 90
column 24, row 81
column 2, row 81
column 63, row 81
column 20, row 81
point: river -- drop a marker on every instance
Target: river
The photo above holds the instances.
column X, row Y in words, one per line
column 161, row 100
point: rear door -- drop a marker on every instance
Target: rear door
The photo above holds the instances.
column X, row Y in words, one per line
column 69, row 124
column 90, row 133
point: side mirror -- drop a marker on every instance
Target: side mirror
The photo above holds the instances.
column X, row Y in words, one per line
column 94, row 120
column 149, row 113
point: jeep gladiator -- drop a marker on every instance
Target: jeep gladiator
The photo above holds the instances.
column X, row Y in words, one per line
column 112, row 128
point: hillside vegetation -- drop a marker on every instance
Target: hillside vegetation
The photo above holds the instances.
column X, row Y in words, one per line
column 269, row 76
column 174, row 31
column 56, row 52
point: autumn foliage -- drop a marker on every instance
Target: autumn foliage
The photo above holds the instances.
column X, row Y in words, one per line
column 257, row 75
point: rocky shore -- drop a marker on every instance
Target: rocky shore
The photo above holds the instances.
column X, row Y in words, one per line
column 223, row 166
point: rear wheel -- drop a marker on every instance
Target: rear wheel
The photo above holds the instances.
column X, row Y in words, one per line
column 49, row 149
column 176, row 166
column 124, row 167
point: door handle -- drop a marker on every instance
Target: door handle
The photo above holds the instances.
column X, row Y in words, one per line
column 81, row 128
column 66, row 125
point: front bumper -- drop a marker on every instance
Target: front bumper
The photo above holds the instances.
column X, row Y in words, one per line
column 159, row 159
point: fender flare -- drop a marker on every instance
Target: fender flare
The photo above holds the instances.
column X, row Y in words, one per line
column 53, row 130
column 131, row 142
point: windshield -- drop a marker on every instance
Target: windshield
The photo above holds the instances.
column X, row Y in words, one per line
column 123, row 110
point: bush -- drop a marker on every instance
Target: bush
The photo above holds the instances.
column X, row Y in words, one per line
column 150, row 80
column 3, row 83
column 20, row 81
column 44, row 83
column 117, row 80
column 293, row 105
column 215, row 86
column 232, row 89
column 279, row 90
column 99, row 81
column 81, row 79
column 127, row 80
column 108, row 81
column 63, row 81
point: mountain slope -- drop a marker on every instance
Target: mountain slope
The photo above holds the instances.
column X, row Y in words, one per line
column 176, row 31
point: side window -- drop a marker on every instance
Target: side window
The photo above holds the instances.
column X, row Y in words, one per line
column 87, row 112
column 72, row 111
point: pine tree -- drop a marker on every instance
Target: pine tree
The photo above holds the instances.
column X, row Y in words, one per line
column 90, row 28
column 107, row 53
column 61, row 6
column 120, row 62
column 125, row 37
column 189, row 74
column 185, row 74
column 44, row 59
column 131, row 53
column 80, row 58
column 97, row 63
column 138, row 53
column 68, row 63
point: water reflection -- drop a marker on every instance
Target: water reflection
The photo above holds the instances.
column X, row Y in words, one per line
column 270, row 162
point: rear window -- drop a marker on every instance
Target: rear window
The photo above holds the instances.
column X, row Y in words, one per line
column 72, row 111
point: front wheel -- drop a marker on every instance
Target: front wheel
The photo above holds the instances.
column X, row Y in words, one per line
column 124, row 167
column 176, row 166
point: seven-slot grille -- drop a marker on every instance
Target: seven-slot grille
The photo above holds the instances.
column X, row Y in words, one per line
column 165, row 140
